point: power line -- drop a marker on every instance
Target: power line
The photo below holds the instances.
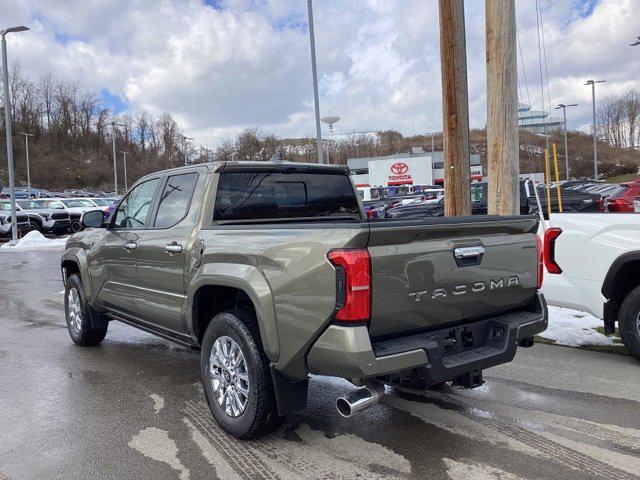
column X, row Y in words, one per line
column 524, row 71
column 544, row 119
column 544, row 51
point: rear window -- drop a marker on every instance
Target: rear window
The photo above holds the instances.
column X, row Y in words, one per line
column 272, row 195
column 619, row 191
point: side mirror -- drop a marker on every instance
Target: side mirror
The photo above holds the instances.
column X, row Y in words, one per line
column 93, row 219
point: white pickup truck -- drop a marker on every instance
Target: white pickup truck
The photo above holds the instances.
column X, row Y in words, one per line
column 593, row 264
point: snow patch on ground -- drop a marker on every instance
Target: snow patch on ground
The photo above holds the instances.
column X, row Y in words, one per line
column 475, row 471
column 157, row 445
column 158, row 402
column 36, row 241
column 574, row 328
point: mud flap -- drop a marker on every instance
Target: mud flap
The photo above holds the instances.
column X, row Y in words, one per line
column 290, row 396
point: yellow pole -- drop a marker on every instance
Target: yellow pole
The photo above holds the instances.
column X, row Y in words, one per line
column 555, row 164
column 546, row 180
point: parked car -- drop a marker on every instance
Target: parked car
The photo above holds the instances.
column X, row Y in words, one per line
column 75, row 193
column 574, row 201
column 621, row 200
column 19, row 192
column 593, row 262
column 22, row 220
column 44, row 218
column 76, row 207
column 106, row 205
column 272, row 270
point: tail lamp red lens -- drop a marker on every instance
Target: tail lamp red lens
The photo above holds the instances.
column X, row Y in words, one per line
column 540, row 261
column 550, row 237
column 353, row 284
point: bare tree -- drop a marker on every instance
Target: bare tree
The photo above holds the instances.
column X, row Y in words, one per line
column 631, row 107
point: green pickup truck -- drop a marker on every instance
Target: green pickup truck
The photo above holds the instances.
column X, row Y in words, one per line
column 273, row 271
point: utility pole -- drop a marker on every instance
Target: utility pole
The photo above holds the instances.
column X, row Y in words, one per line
column 566, row 147
column 595, row 133
column 502, row 108
column 455, row 108
column 7, row 127
column 314, row 74
column 124, row 160
column 26, row 149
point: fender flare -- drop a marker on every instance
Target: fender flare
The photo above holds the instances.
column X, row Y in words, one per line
column 251, row 281
column 617, row 265
column 79, row 257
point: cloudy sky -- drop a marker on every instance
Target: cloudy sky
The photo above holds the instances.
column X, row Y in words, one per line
column 223, row 65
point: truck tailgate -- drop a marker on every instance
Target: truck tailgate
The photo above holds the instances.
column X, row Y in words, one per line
column 432, row 272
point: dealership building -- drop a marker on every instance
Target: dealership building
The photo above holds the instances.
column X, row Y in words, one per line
column 429, row 167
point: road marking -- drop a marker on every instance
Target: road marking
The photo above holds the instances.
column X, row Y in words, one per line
column 157, row 445
column 158, row 402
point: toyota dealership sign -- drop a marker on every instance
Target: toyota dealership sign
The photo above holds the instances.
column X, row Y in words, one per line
column 401, row 171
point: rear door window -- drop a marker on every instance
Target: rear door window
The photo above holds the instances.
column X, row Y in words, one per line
column 274, row 195
column 175, row 199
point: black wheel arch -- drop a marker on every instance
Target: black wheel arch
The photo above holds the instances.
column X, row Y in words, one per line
column 623, row 276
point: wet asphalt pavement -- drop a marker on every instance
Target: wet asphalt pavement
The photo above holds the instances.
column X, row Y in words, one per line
column 133, row 408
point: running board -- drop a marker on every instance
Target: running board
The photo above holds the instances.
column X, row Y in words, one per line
column 154, row 331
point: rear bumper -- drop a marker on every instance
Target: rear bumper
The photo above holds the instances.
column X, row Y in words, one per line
column 348, row 352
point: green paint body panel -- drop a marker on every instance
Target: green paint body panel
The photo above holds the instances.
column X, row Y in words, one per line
column 283, row 269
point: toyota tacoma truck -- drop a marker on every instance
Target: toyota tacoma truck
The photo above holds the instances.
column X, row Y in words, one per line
column 273, row 271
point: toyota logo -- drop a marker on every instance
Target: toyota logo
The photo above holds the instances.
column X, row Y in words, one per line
column 399, row 168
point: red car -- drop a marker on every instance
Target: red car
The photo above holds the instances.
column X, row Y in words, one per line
column 621, row 199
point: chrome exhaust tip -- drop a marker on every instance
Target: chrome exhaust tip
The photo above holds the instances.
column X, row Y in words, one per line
column 360, row 399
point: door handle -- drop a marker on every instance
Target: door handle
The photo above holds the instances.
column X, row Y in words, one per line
column 173, row 248
column 129, row 246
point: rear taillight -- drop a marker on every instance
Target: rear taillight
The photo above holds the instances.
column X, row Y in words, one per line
column 540, row 261
column 353, row 284
column 550, row 236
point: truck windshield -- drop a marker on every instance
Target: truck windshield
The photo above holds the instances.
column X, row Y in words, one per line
column 273, row 195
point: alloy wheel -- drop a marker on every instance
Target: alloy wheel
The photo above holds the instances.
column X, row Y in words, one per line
column 229, row 376
column 75, row 310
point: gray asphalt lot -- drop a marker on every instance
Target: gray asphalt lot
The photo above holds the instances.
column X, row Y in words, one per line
column 133, row 408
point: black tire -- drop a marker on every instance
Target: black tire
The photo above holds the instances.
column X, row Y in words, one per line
column 260, row 414
column 76, row 226
column 629, row 322
column 83, row 333
column 33, row 226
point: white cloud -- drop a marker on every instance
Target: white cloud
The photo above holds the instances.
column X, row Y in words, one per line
column 246, row 62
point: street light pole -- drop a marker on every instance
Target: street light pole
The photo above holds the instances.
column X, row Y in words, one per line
column 26, row 149
column 115, row 161
column 7, row 120
column 184, row 148
column 566, row 149
column 314, row 74
column 124, row 160
column 595, row 133
column 115, row 165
